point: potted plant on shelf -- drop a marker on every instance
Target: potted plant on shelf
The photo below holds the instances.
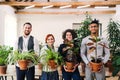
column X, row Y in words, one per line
column 4, row 53
column 23, row 58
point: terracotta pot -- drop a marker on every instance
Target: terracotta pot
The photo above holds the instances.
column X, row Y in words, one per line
column 3, row 69
column 70, row 65
column 52, row 64
column 23, row 64
column 95, row 66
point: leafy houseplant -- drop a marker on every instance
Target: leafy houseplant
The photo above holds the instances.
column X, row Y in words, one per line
column 113, row 30
column 97, row 61
column 4, row 53
column 52, row 58
column 72, row 53
column 83, row 31
column 23, row 57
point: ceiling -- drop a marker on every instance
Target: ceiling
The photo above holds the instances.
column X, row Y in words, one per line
column 63, row 6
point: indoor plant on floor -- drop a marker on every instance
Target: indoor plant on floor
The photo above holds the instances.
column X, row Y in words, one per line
column 4, row 53
column 113, row 30
column 23, row 58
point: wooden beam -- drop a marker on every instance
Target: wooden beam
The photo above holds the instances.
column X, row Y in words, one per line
column 58, row 4
column 89, row 12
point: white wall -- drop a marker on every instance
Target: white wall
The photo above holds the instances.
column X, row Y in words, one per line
column 117, row 15
column 1, row 27
column 8, row 25
column 56, row 24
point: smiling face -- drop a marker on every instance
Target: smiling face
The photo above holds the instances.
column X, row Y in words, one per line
column 94, row 28
column 69, row 36
column 50, row 40
column 27, row 29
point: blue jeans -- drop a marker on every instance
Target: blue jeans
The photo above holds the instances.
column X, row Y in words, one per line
column 49, row 75
column 29, row 73
column 71, row 75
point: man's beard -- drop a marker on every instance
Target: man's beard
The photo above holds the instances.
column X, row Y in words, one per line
column 27, row 33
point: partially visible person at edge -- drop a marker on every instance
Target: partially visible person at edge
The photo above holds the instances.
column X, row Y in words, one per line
column 65, row 50
column 102, row 52
column 25, row 43
column 48, row 73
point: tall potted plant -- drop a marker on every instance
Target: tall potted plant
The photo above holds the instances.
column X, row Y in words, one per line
column 96, row 62
column 4, row 53
column 113, row 30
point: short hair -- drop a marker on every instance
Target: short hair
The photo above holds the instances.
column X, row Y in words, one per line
column 95, row 22
column 28, row 24
column 74, row 35
column 48, row 35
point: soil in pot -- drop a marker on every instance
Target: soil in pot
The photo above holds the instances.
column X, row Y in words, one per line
column 3, row 69
column 23, row 64
column 96, row 66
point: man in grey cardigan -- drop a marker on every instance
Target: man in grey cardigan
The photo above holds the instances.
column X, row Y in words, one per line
column 89, row 49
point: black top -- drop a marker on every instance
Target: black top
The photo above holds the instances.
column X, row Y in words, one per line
column 72, row 54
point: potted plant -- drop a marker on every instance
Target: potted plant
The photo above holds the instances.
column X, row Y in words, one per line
column 52, row 58
column 96, row 62
column 71, row 51
column 4, row 53
column 113, row 30
column 70, row 59
column 23, row 58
